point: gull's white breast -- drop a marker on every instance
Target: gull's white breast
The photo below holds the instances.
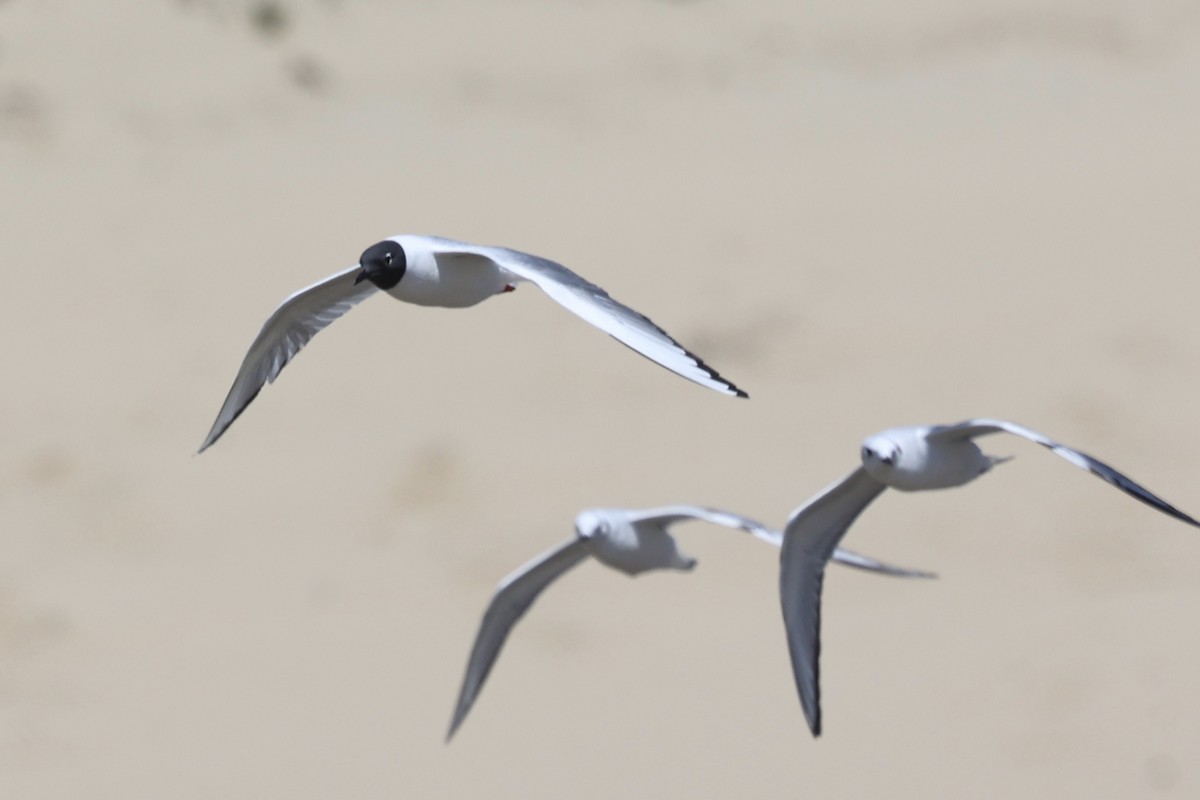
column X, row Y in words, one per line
column 451, row 281
column 923, row 464
column 634, row 548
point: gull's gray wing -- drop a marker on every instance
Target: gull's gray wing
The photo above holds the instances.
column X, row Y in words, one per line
column 301, row 317
column 593, row 304
column 667, row 515
column 513, row 597
column 671, row 514
column 981, row 427
column 851, row 559
column 809, row 539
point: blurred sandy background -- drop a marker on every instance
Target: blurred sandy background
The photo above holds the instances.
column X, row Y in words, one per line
column 865, row 213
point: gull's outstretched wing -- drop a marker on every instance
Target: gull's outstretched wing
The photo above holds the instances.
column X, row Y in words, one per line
column 594, row 305
column 851, row 559
column 809, row 539
column 513, row 597
column 980, row 427
column 301, row 317
column 671, row 514
column 667, row 515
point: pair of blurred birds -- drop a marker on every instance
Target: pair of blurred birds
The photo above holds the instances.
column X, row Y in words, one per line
column 432, row 271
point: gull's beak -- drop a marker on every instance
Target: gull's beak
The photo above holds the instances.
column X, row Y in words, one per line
column 360, row 277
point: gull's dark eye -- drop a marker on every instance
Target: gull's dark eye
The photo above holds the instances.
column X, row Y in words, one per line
column 387, row 259
column 867, row 453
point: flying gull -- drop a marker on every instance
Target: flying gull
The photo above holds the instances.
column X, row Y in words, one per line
column 432, row 271
column 910, row 459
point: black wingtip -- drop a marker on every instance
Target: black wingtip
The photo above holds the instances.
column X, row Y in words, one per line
column 716, row 376
column 454, row 723
column 1170, row 510
column 216, row 433
column 696, row 360
column 814, row 718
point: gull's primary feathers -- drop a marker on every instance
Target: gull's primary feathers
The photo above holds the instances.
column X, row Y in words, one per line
column 431, row 271
column 629, row 541
column 909, row 459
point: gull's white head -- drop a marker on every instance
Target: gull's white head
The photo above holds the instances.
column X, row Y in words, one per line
column 588, row 524
column 880, row 454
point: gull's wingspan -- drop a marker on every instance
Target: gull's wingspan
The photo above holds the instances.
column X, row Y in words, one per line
column 809, row 539
column 301, row 317
column 594, row 305
column 859, row 561
column 670, row 514
column 981, row 427
column 667, row 515
column 513, row 597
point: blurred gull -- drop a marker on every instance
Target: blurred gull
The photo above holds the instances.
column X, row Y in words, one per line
column 431, row 271
column 909, row 459
column 630, row 541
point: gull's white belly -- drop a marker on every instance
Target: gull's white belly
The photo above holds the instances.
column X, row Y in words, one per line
column 923, row 464
column 449, row 282
column 632, row 551
column 940, row 466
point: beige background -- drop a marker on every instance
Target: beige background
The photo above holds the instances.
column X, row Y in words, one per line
column 865, row 213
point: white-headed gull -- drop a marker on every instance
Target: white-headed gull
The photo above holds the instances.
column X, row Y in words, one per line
column 630, row 541
column 432, row 271
column 909, row 459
